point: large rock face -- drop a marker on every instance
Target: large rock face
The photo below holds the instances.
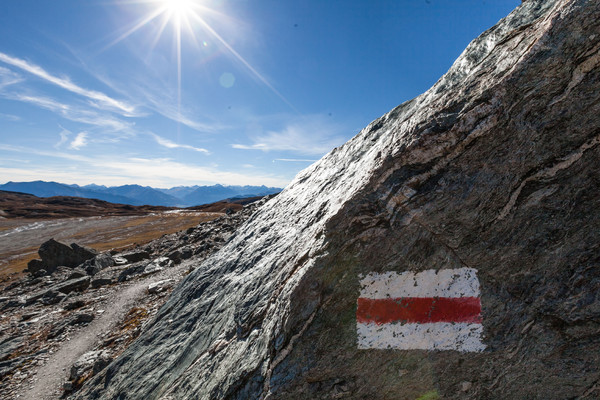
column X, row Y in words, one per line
column 493, row 171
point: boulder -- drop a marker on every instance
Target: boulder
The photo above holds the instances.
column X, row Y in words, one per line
column 54, row 253
column 455, row 239
column 135, row 256
column 36, row 267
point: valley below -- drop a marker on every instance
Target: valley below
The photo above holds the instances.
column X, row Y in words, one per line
column 21, row 237
column 58, row 328
column 26, row 221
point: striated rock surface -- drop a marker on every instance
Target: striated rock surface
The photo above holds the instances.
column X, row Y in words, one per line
column 494, row 170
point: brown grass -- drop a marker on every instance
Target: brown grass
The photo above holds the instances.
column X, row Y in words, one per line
column 136, row 230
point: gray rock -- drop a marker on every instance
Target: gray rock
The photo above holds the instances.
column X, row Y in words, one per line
column 81, row 318
column 135, row 256
column 77, row 273
column 77, row 284
column 132, row 270
column 84, row 364
column 102, row 361
column 495, row 169
column 36, row 267
column 120, row 260
column 8, row 345
column 68, row 387
column 98, row 263
column 159, row 286
column 54, row 253
column 104, row 260
column 96, row 283
column 14, row 303
column 74, row 304
column 152, row 268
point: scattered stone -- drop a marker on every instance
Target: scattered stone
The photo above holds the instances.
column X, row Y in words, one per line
column 38, row 273
column 78, row 284
column 135, row 256
column 53, row 317
column 102, row 361
column 152, row 268
column 465, row 386
column 8, row 345
column 30, row 315
column 77, row 273
column 81, row 318
column 159, row 286
column 72, row 305
column 120, row 260
column 83, row 364
column 98, row 263
column 96, row 283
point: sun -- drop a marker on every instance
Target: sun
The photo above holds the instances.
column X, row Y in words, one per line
column 178, row 8
column 187, row 18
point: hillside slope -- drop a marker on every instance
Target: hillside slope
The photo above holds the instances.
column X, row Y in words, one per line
column 491, row 173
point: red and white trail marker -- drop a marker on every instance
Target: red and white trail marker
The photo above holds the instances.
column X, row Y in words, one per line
column 428, row 310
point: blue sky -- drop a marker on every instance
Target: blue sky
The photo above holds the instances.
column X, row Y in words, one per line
column 183, row 92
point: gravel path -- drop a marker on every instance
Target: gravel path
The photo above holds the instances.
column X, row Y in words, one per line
column 49, row 378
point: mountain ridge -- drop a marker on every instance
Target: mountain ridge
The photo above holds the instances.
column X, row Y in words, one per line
column 137, row 195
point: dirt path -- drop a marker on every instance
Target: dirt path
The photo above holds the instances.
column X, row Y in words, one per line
column 49, row 378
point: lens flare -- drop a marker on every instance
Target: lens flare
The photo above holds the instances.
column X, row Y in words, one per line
column 186, row 15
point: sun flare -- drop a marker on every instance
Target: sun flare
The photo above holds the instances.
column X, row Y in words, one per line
column 178, row 7
column 188, row 18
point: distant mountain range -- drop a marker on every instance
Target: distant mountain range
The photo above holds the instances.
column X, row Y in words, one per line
column 136, row 195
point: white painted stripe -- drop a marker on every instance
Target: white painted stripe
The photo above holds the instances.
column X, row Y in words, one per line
column 464, row 337
column 460, row 282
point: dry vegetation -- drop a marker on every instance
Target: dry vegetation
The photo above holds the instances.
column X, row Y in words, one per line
column 109, row 233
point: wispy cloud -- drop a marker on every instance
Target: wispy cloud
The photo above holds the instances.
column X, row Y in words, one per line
column 44, row 153
column 172, row 145
column 79, row 141
column 157, row 172
column 64, row 137
column 312, row 135
column 157, row 99
column 73, row 112
column 9, row 77
column 10, row 117
column 98, row 99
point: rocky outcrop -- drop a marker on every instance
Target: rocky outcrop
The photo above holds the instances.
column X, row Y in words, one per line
column 54, row 253
column 493, row 172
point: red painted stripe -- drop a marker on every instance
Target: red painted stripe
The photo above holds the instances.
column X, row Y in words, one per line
column 419, row 310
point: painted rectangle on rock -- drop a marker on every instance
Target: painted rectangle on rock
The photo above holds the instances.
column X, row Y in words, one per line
column 428, row 310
